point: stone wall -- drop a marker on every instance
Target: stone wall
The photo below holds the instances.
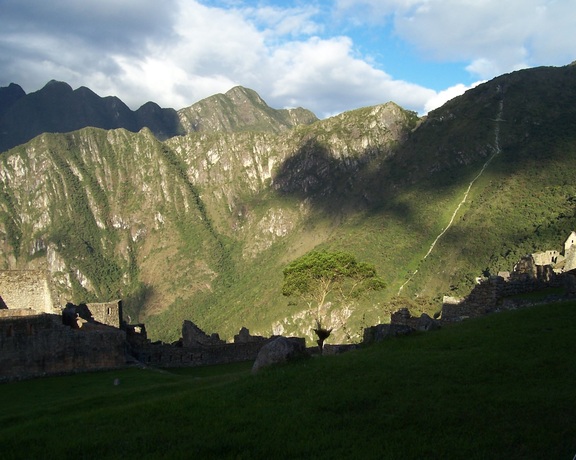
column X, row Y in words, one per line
column 195, row 348
column 21, row 289
column 193, row 336
column 109, row 313
column 37, row 339
column 496, row 294
column 39, row 344
column 165, row 355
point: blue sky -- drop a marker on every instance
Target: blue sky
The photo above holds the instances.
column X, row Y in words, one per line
column 327, row 56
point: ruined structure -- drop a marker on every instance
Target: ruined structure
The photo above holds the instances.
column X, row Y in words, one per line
column 195, row 348
column 27, row 289
column 39, row 344
column 534, row 272
column 548, row 269
column 40, row 338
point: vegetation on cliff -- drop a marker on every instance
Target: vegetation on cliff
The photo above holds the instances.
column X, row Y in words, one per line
column 201, row 225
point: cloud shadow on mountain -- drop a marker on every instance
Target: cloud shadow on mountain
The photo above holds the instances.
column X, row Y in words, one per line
column 338, row 185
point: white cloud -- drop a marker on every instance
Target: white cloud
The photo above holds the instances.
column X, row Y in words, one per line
column 493, row 36
column 214, row 49
column 179, row 51
column 292, row 22
column 444, row 96
column 323, row 73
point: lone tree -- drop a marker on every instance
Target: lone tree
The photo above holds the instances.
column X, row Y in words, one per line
column 320, row 276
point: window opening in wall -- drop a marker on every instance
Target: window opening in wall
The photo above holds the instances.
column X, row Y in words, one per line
column 109, row 310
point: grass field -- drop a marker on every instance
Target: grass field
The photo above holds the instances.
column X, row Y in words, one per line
column 499, row 387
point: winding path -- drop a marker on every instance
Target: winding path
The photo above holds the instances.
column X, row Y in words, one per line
column 496, row 152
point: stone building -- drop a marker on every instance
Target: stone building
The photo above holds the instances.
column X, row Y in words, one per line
column 27, row 289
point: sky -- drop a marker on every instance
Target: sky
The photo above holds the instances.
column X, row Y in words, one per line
column 326, row 56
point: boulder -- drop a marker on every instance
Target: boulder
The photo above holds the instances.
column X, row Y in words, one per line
column 280, row 350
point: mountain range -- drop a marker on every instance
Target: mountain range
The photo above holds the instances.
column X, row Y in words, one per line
column 193, row 214
column 56, row 108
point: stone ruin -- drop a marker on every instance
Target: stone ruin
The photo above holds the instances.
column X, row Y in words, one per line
column 27, row 289
column 500, row 292
column 35, row 344
column 195, row 347
column 37, row 338
column 534, row 272
column 401, row 323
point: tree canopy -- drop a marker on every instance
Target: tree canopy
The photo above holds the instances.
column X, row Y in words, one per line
column 318, row 275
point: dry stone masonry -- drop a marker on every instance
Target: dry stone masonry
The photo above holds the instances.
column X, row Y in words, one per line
column 38, row 338
column 534, row 272
column 22, row 289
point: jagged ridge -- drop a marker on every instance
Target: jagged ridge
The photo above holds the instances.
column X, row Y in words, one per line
column 57, row 108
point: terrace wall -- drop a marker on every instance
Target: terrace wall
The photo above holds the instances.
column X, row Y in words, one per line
column 39, row 344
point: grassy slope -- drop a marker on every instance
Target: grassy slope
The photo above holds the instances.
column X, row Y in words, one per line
column 496, row 387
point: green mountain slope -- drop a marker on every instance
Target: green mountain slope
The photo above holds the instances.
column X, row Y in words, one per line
column 200, row 226
column 240, row 109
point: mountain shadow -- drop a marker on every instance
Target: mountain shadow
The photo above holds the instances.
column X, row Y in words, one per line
column 56, row 108
column 313, row 173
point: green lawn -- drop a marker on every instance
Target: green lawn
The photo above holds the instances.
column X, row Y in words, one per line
column 499, row 387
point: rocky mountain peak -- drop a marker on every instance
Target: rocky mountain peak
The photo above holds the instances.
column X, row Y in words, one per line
column 9, row 95
column 56, row 85
column 241, row 95
column 240, row 109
